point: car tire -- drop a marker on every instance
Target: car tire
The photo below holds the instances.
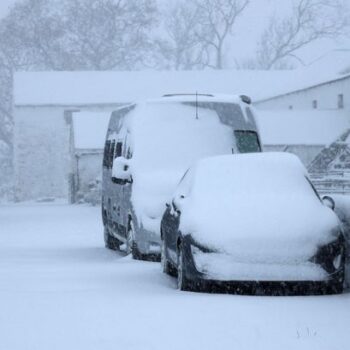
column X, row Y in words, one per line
column 182, row 282
column 110, row 241
column 338, row 288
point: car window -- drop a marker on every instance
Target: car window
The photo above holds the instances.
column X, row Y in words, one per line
column 185, row 184
column 247, row 141
column 313, row 188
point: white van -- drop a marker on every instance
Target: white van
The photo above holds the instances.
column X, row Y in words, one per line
column 150, row 145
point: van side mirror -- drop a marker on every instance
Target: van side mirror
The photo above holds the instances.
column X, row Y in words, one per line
column 121, row 172
column 328, row 202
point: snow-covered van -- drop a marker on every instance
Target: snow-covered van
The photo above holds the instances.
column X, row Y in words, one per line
column 149, row 146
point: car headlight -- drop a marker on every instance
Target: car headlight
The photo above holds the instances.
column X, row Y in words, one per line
column 331, row 257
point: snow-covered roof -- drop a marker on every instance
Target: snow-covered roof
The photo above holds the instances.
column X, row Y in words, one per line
column 276, row 127
column 336, row 61
column 86, row 88
column 90, row 129
column 312, row 127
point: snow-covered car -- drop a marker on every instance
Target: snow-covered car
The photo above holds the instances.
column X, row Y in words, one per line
column 252, row 224
column 342, row 209
column 150, row 145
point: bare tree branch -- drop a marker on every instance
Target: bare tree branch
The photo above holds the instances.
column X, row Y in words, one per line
column 217, row 19
column 311, row 20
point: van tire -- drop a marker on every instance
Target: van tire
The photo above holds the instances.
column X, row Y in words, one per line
column 131, row 246
column 183, row 283
column 166, row 266
column 110, row 241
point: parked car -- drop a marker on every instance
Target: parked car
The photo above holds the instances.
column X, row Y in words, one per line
column 252, row 224
column 342, row 209
column 149, row 145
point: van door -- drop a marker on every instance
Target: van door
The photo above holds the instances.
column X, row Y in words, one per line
column 127, row 188
column 117, row 197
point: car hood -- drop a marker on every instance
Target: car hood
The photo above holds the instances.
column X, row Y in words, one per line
column 255, row 230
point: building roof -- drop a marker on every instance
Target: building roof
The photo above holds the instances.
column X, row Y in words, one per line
column 90, row 129
column 276, row 127
column 91, row 88
column 336, row 156
column 312, row 127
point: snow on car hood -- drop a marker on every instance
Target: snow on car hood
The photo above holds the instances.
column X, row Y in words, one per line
column 257, row 207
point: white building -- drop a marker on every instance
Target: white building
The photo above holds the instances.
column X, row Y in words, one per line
column 329, row 95
column 89, row 138
column 45, row 102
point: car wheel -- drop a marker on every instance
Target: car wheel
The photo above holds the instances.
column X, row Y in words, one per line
column 182, row 281
column 110, row 241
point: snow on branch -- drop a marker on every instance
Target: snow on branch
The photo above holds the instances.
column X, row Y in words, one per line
column 310, row 20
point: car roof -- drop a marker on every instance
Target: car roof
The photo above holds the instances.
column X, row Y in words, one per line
column 261, row 162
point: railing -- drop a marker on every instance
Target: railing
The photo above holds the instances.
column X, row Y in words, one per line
column 336, row 182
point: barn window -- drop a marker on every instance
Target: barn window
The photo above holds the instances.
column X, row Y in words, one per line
column 314, row 104
column 340, row 101
column 290, row 107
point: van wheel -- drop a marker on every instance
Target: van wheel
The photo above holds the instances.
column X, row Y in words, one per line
column 182, row 282
column 131, row 246
column 166, row 266
column 110, row 241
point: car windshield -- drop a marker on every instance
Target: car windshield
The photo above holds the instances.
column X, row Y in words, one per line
column 247, row 141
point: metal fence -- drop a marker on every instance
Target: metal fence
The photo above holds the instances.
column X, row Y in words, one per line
column 336, row 182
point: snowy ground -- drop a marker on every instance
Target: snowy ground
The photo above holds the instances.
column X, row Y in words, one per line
column 60, row 289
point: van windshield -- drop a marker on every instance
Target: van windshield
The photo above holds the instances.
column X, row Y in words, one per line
column 247, row 141
column 174, row 135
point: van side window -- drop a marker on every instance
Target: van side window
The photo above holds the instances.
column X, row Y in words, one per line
column 111, row 154
column 128, row 153
column 106, row 154
column 118, row 150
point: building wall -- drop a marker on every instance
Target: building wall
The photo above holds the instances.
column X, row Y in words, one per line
column 326, row 97
column 306, row 153
column 44, row 156
column 42, row 153
column 89, row 168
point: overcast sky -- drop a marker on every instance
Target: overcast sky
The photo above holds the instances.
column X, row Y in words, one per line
column 249, row 28
column 4, row 5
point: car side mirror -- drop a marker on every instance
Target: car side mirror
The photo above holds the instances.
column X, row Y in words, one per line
column 121, row 172
column 328, row 202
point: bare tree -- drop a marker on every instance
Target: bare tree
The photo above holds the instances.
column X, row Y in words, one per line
column 216, row 21
column 68, row 35
column 179, row 47
column 311, row 20
column 108, row 34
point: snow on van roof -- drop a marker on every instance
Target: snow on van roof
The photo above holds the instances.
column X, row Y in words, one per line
column 301, row 127
column 90, row 129
column 86, row 88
